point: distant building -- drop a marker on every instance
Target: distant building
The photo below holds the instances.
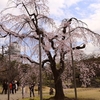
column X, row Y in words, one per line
column 14, row 51
column 15, row 48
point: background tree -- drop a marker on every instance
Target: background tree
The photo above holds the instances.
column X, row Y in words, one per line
column 28, row 73
column 89, row 69
column 8, row 72
column 56, row 43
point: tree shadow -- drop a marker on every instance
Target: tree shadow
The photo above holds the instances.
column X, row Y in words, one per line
column 66, row 98
column 31, row 99
column 52, row 98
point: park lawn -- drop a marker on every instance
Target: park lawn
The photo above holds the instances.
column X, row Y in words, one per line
column 82, row 94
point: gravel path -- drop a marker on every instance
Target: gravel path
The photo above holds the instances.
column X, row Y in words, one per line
column 16, row 96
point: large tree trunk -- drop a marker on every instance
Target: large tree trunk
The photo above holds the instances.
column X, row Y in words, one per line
column 59, row 94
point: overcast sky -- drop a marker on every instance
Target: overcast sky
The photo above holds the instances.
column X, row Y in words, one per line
column 85, row 10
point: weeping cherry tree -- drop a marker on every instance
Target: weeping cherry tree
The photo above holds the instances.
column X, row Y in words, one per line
column 56, row 42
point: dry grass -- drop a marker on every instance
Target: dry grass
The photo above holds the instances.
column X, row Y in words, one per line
column 84, row 93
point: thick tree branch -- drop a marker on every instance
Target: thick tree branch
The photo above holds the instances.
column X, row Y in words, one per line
column 62, row 66
column 82, row 46
column 52, row 42
column 79, row 47
column 44, row 62
column 28, row 58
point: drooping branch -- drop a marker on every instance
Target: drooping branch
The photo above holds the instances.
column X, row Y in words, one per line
column 68, row 22
column 44, row 62
column 8, row 31
column 82, row 46
column 3, row 36
column 28, row 58
column 79, row 47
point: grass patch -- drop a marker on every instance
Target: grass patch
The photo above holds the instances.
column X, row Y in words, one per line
column 82, row 94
